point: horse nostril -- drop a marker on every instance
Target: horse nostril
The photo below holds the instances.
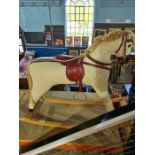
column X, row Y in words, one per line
column 129, row 45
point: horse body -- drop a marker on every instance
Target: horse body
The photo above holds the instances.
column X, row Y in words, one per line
column 43, row 75
column 42, row 81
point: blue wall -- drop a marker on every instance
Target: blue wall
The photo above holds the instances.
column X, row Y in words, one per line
column 33, row 19
column 109, row 9
column 103, row 13
column 114, row 9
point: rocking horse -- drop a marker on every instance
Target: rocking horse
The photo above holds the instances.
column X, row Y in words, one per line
column 91, row 68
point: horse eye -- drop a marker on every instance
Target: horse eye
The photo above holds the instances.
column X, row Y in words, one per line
column 129, row 45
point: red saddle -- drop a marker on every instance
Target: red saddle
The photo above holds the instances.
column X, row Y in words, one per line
column 74, row 68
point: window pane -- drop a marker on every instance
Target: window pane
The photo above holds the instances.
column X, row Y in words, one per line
column 81, row 30
column 81, row 10
column 68, row 16
column 72, row 3
column 67, row 2
column 67, row 23
column 67, row 10
column 90, row 17
column 85, row 30
column 68, row 30
column 91, row 3
column 86, row 17
column 85, row 24
column 81, row 23
column 79, row 3
column 72, row 30
column 77, row 10
column 72, row 9
column 89, row 30
column 91, row 24
column 73, row 17
column 72, row 23
column 85, row 1
column 86, row 4
column 86, row 9
column 77, row 17
column 91, row 9
column 81, row 16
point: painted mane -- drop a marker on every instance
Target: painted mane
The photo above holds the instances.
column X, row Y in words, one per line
column 111, row 36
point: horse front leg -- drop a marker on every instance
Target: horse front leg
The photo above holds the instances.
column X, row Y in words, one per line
column 108, row 103
column 105, row 97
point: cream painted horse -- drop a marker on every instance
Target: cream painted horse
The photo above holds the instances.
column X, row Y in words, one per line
column 43, row 75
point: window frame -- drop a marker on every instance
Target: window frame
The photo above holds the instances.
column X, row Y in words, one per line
column 72, row 27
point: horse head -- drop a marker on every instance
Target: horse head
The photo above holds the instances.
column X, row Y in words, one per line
column 117, row 43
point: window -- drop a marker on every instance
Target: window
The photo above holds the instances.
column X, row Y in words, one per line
column 80, row 18
column 21, row 49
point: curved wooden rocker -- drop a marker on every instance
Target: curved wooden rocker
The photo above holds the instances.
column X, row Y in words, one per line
column 73, row 102
column 79, row 102
column 45, row 123
column 69, row 101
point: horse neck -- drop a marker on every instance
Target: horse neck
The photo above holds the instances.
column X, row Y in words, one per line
column 103, row 52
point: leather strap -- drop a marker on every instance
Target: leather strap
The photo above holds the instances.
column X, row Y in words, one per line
column 125, row 38
column 98, row 62
column 120, row 44
column 98, row 66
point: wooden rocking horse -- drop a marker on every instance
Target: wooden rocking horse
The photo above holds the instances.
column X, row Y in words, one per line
column 92, row 68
